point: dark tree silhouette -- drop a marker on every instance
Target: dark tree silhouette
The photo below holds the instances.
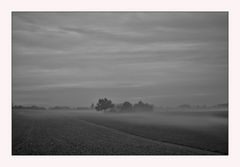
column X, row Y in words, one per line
column 126, row 106
column 140, row 106
column 104, row 104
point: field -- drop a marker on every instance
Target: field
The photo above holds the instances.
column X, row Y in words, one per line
column 56, row 132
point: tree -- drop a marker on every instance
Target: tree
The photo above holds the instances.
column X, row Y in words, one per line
column 140, row 106
column 126, row 106
column 104, row 104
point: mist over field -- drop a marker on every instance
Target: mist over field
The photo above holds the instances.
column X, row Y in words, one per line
column 89, row 133
column 120, row 83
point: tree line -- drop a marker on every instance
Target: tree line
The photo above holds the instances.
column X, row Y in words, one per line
column 105, row 104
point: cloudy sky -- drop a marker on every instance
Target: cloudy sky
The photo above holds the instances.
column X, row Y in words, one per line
column 162, row 58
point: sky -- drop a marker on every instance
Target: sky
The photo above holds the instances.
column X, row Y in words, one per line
column 75, row 58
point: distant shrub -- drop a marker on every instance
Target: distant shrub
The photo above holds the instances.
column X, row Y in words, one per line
column 184, row 106
column 33, row 107
column 92, row 106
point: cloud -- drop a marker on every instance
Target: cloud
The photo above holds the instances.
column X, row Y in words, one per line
column 122, row 55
